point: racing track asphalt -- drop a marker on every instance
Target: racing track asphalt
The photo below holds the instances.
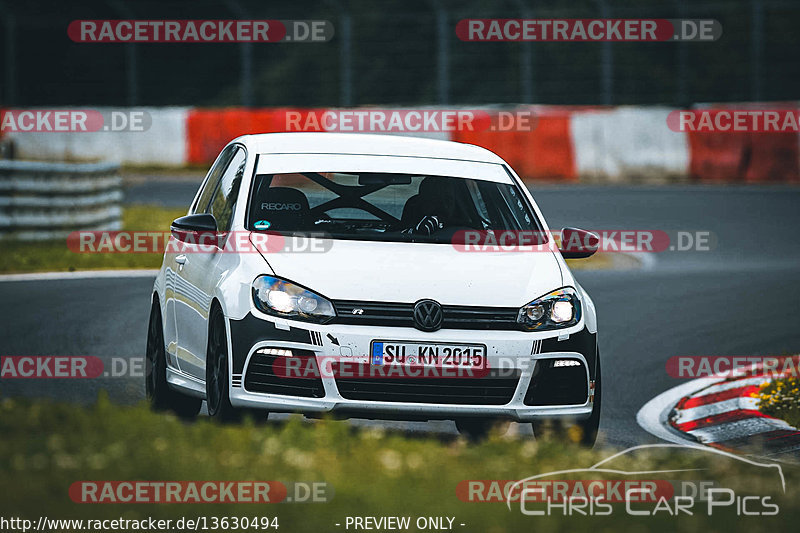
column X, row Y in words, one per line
column 741, row 298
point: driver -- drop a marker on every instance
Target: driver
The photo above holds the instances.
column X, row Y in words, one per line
column 433, row 208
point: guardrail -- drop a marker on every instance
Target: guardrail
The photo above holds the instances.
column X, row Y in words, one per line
column 40, row 201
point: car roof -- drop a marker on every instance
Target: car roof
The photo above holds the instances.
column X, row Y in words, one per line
column 364, row 144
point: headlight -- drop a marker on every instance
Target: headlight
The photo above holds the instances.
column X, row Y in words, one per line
column 278, row 297
column 558, row 309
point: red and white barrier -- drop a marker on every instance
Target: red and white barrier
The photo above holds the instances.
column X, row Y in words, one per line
column 163, row 143
column 544, row 151
column 607, row 145
column 628, row 144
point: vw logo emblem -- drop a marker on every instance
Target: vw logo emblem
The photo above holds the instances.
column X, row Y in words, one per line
column 428, row 315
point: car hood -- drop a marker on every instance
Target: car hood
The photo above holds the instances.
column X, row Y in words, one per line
column 407, row 272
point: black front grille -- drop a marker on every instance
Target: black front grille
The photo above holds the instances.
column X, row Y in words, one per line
column 300, row 378
column 492, row 389
column 468, row 317
column 373, row 313
column 402, row 315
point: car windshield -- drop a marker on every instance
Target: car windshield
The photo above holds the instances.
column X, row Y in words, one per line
column 385, row 206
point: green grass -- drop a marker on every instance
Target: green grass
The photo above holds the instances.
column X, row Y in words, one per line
column 48, row 446
column 781, row 398
column 55, row 256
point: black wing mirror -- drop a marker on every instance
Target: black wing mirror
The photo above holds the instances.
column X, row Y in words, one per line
column 197, row 229
column 578, row 243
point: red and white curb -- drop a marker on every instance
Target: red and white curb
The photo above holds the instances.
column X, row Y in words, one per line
column 721, row 412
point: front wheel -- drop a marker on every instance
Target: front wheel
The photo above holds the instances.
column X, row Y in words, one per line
column 218, row 396
column 159, row 395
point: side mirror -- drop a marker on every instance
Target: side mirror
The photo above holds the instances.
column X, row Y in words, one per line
column 578, row 243
column 195, row 229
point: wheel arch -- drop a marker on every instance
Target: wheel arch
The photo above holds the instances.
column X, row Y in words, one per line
column 216, row 303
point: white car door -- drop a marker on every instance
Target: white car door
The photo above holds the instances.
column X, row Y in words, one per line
column 174, row 261
column 198, row 272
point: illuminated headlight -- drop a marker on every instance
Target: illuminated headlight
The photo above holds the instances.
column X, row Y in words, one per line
column 558, row 309
column 282, row 298
column 562, row 312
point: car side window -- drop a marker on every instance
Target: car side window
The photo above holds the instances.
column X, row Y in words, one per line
column 211, row 182
column 224, row 199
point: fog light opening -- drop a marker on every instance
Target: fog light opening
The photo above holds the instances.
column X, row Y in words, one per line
column 279, row 352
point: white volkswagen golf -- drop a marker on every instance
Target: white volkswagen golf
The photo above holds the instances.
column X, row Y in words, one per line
column 371, row 276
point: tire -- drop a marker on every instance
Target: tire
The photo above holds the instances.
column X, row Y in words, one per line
column 478, row 429
column 159, row 395
column 557, row 429
column 218, row 398
column 591, row 425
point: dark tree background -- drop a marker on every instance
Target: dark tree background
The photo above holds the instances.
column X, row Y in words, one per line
column 395, row 57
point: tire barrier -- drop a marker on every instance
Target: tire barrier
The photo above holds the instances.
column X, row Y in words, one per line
column 40, row 201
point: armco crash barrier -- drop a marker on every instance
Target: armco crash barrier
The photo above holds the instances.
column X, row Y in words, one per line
column 49, row 200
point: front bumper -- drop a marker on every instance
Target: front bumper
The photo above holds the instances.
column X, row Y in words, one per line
column 527, row 355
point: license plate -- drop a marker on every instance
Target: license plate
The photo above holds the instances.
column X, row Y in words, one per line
column 427, row 354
